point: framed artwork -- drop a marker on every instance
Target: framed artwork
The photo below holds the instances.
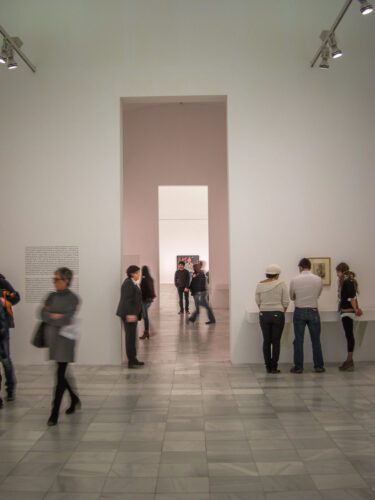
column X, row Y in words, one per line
column 321, row 266
column 189, row 260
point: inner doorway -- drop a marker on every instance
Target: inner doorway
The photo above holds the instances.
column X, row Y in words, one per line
column 183, row 235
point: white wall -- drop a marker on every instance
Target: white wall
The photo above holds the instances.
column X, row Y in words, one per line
column 300, row 142
column 183, row 226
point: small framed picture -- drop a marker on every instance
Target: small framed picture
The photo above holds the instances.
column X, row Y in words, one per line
column 321, row 266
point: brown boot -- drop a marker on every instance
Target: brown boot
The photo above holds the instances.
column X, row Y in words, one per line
column 146, row 335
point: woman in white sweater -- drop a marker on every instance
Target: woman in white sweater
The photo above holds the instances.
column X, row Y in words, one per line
column 272, row 298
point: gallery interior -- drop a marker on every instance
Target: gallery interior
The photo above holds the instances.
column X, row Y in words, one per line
column 241, row 131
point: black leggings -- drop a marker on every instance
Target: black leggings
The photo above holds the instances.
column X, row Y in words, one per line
column 61, row 384
column 347, row 323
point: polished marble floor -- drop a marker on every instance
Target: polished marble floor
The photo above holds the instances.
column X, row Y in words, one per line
column 190, row 426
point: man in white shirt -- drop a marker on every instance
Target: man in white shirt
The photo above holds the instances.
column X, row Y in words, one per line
column 305, row 290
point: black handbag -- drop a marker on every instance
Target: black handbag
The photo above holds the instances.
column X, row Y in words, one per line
column 38, row 338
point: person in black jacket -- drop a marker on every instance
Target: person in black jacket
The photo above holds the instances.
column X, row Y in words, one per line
column 199, row 293
column 148, row 295
column 130, row 311
column 8, row 297
column 182, row 282
column 348, row 308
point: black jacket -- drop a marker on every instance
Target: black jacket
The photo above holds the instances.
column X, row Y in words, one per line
column 198, row 283
column 10, row 294
column 182, row 278
column 347, row 292
column 130, row 301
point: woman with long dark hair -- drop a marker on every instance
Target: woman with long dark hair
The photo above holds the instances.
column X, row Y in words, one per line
column 348, row 308
column 148, row 295
column 59, row 310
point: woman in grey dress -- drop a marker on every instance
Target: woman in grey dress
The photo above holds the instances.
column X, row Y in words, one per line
column 58, row 311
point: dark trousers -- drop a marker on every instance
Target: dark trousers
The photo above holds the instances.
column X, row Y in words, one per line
column 181, row 293
column 61, row 384
column 130, row 340
column 303, row 317
column 10, row 379
column 272, row 325
column 347, row 323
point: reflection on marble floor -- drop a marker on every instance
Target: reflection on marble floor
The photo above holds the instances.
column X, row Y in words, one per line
column 190, row 426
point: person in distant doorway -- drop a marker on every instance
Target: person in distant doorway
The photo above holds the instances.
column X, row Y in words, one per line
column 199, row 292
column 58, row 311
column 305, row 289
column 271, row 296
column 130, row 311
column 8, row 297
column 348, row 309
column 182, row 282
column 148, row 295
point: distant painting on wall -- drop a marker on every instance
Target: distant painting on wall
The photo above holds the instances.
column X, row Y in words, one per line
column 321, row 266
column 189, row 260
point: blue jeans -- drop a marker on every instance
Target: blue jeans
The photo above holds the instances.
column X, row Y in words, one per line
column 145, row 307
column 310, row 317
column 200, row 300
column 10, row 379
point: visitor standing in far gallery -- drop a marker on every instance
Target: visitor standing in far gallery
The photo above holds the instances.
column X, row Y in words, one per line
column 182, row 283
column 305, row 289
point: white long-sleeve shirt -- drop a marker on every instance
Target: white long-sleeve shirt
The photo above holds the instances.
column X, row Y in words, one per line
column 305, row 289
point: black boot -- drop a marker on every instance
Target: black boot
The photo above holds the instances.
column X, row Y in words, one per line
column 52, row 419
column 76, row 402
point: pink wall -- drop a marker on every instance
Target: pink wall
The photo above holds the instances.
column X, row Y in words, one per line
column 175, row 144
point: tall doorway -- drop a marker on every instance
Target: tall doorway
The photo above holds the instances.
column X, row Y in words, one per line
column 175, row 142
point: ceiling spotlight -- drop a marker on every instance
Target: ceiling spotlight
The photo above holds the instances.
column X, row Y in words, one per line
column 4, row 52
column 11, row 62
column 366, row 7
column 325, row 55
column 335, row 51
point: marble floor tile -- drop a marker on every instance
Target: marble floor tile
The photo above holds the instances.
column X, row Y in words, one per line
column 191, row 426
column 334, row 481
column 182, row 485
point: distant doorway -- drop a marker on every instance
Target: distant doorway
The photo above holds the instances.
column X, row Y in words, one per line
column 183, row 227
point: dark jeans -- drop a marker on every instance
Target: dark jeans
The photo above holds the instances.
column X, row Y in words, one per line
column 272, row 325
column 10, row 378
column 310, row 317
column 62, row 384
column 347, row 323
column 130, row 340
column 145, row 307
column 181, row 293
column 200, row 300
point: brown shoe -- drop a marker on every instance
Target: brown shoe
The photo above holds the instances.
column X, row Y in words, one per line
column 146, row 335
column 347, row 366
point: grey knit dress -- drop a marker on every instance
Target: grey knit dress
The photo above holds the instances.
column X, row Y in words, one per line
column 61, row 349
